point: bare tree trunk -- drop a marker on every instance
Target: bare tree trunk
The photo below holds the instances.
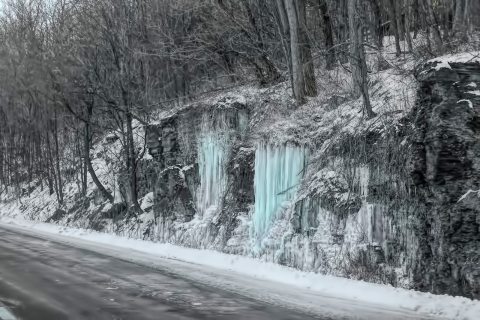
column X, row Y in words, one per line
column 2, row 154
column 416, row 18
column 132, row 163
column 57, row 156
column 343, row 32
column 466, row 18
column 302, row 70
column 399, row 7
column 88, row 162
column 394, row 25
column 378, row 24
column 458, row 16
column 298, row 84
column 446, row 23
column 357, row 55
column 51, row 168
column 85, row 169
column 433, row 23
column 408, row 25
column 46, row 168
column 284, row 31
column 328, row 31
column 306, row 51
column 130, row 151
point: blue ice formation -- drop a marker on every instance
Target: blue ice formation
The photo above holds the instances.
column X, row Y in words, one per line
column 215, row 138
column 214, row 144
column 213, row 153
column 278, row 172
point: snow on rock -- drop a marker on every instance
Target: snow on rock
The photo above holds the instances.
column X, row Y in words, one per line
column 441, row 64
column 465, row 57
column 447, row 63
column 445, row 151
column 147, row 202
column 468, row 102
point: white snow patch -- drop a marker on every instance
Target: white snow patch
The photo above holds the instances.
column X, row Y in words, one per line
column 147, row 156
column 147, row 201
column 464, row 196
column 441, row 64
column 465, row 57
column 470, row 104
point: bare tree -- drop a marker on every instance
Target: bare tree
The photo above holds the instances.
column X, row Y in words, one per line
column 303, row 76
column 393, row 14
column 71, row 71
column 433, row 25
column 378, row 28
column 357, row 55
column 328, row 34
column 408, row 5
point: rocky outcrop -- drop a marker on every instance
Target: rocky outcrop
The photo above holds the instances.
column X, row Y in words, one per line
column 446, row 172
column 396, row 203
column 186, row 184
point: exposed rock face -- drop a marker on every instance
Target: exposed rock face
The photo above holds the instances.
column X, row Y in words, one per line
column 188, row 182
column 171, row 192
column 446, row 165
column 384, row 205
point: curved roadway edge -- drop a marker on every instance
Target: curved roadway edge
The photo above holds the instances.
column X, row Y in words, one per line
column 280, row 296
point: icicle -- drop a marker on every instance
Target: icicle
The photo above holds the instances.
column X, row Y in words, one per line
column 278, row 171
column 368, row 224
column 213, row 152
column 364, row 179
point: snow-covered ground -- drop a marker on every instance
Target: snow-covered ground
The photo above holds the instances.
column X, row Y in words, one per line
column 265, row 281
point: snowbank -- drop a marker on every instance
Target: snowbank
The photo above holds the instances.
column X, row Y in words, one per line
column 465, row 57
column 422, row 304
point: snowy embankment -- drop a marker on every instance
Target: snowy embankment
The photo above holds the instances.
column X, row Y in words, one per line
column 311, row 290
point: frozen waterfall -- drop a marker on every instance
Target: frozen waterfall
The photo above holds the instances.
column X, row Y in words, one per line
column 368, row 225
column 278, row 171
column 217, row 132
column 212, row 161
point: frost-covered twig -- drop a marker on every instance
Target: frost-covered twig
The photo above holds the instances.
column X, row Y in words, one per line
column 467, row 193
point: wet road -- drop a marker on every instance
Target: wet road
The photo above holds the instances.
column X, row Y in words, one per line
column 41, row 279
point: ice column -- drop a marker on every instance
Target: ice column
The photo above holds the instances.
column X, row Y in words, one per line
column 214, row 144
column 368, row 224
column 278, row 171
column 212, row 157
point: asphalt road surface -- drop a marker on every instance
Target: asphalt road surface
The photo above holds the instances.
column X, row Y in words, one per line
column 41, row 279
column 52, row 277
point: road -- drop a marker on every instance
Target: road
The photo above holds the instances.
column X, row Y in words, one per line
column 41, row 279
column 49, row 277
